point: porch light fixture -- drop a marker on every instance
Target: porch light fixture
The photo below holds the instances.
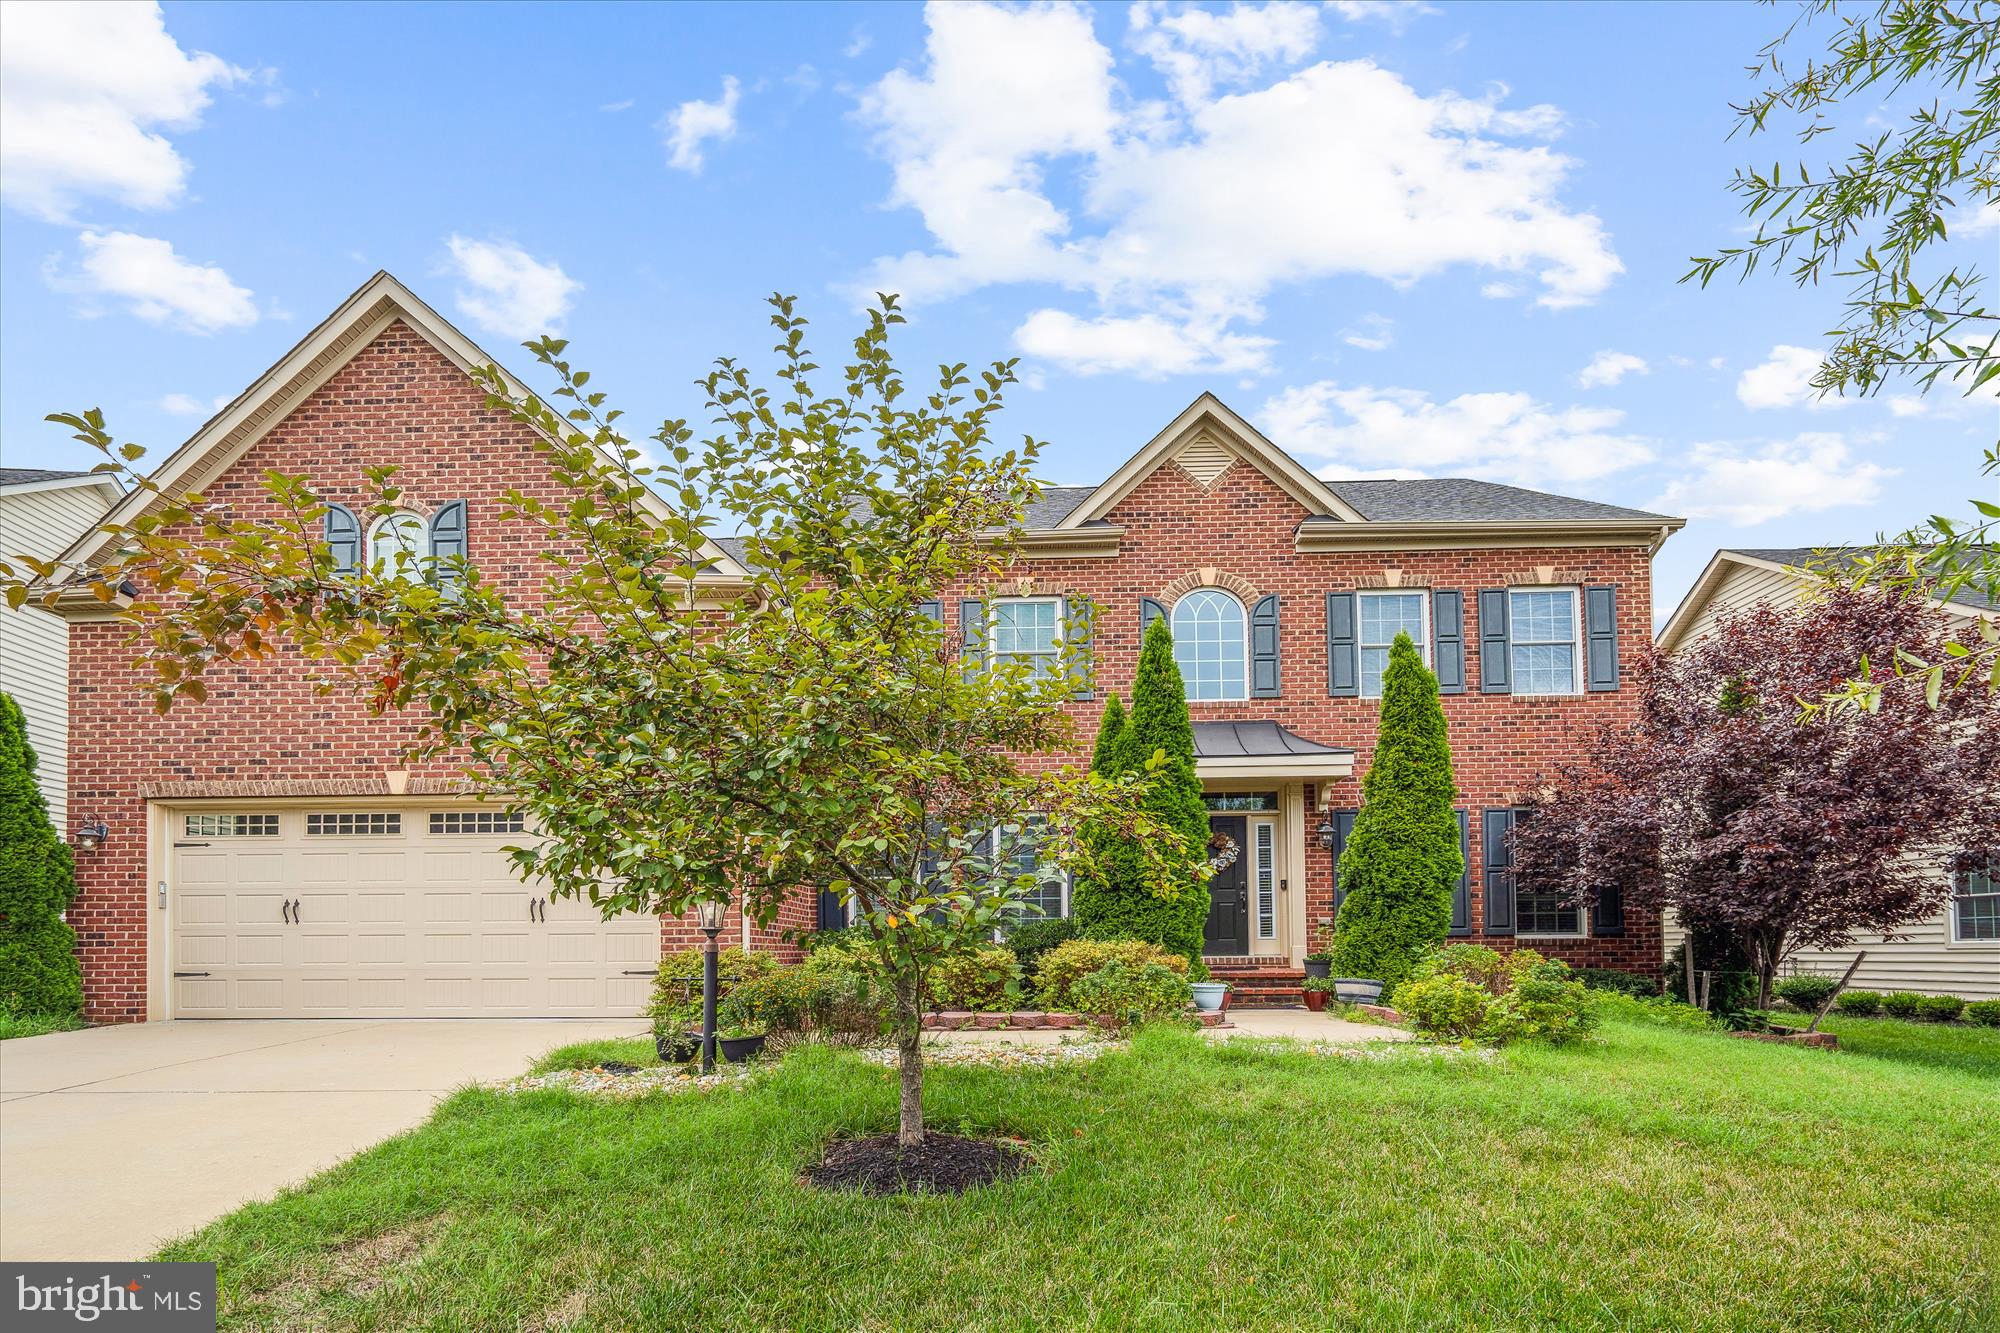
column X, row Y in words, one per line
column 709, row 913
column 1327, row 833
column 90, row 835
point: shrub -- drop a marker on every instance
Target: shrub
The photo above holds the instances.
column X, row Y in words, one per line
column 1031, row 939
column 1657, row 1010
column 1986, row 1013
column 813, row 941
column 986, row 978
column 38, row 968
column 1611, row 979
column 676, row 1005
column 1805, row 991
column 1543, row 1004
column 1400, row 863
column 797, row 1004
column 1940, row 1008
column 1068, row 963
column 1131, row 995
column 1484, row 967
column 1527, row 996
column 1445, row 1005
column 1902, row 1004
column 1859, row 1002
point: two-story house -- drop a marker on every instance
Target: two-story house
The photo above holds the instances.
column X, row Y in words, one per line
column 267, row 854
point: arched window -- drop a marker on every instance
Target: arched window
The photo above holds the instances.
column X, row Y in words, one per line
column 399, row 543
column 1209, row 644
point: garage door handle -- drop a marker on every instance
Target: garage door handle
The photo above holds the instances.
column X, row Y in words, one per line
column 285, row 909
column 190, row 974
column 295, row 912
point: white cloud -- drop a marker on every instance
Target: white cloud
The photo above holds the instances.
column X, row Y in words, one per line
column 1784, row 379
column 508, row 290
column 187, row 405
column 1193, row 211
column 1609, row 367
column 691, row 124
column 1398, row 14
column 1371, row 333
column 623, row 104
column 1147, row 346
column 857, row 44
column 1507, row 437
column 1745, row 486
column 85, row 91
column 1971, row 223
column 156, row 284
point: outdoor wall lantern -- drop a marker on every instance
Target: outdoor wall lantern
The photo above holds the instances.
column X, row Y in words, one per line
column 90, row 835
column 1328, row 834
column 709, row 914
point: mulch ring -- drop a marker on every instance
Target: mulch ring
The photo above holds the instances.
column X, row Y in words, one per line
column 942, row 1164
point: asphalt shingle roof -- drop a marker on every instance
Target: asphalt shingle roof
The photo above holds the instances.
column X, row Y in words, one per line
column 1798, row 557
column 21, row 476
column 1463, row 500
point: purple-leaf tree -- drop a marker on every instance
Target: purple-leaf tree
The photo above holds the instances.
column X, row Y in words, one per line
column 1780, row 827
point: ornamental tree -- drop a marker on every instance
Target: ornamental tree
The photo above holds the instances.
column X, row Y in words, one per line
column 1782, row 829
column 1155, row 739
column 1402, row 859
column 672, row 740
column 38, row 969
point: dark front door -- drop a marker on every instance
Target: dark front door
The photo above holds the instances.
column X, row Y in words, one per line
column 1228, row 929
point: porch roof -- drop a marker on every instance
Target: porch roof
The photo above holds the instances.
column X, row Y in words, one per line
column 1265, row 749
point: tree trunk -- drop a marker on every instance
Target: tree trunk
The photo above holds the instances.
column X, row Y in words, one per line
column 910, row 1061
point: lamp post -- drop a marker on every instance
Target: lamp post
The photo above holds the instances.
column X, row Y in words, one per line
column 709, row 913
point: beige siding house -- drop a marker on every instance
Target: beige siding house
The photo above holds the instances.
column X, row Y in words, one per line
column 1956, row 952
column 42, row 514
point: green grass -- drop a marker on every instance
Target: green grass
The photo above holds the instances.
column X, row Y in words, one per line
column 35, row 1025
column 1657, row 1179
column 584, row 1054
column 1975, row 1050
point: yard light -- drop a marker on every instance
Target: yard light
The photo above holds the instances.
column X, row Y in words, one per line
column 1328, row 834
column 91, row 834
column 709, row 913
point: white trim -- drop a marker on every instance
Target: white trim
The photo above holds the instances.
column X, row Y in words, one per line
column 1276, row 767
column 1423, row 596
column 1688, row 613
column 419, row 557
column 1318, row 535
column 1954, row 937
column 1243, row 611
column 1576, row 663
column 100, row 480
column 993, row 653
column 1264, row 878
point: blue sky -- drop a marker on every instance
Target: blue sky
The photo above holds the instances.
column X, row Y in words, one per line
column 1402, row 239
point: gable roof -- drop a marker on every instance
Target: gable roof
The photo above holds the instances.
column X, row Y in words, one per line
column 1791, row 560
column 354, row 324
column 1463, row 500
column 23, row 480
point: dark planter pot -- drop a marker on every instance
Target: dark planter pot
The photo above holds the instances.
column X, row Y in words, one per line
column 1319, row 967
column 1357, row 990
column 1316, row 1001
column 677, row 1048
column 738, row 1050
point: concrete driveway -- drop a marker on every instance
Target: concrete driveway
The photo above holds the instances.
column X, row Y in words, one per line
column 114, row 1140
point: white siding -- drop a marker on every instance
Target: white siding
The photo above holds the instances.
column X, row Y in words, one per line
column 1741, row 587
column 34, row 645
column 1926, row 959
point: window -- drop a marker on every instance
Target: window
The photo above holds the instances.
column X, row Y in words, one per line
column 478, row 821
column 1229, row 802
column 1264, row 869
column 1546, row 914
column 1209, row 644
column 361, row 824
column 1384, row 615
column 398, row 543
column 1541, row 627
column 1976, row 909
column 232, row 826
column 1022, row 855
column 1028, row 630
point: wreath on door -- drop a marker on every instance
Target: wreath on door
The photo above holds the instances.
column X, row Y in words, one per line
column 1222, row 851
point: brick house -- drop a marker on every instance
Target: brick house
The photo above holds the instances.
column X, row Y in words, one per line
column 266, row 854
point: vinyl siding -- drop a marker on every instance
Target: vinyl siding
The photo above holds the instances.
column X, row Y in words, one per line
column 34, row 645
column 1926, row 960
column 1745, row 586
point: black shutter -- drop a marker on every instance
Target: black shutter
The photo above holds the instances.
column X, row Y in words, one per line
column 1600, row 632
column 1264, row 648
column 972, row 635
column 1343, row 662
column 932, row 609
column 343, row 534
column 1343, row 827
column 1448, row 639
column 1498, row 873
column 1149, row 611
column 832, row 911
column 1461, row 893
column 1077, row 614
column 448, row 544
column 1495, row 673
column 1607, row 911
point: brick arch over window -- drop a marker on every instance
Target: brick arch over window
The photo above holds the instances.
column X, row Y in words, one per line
column 1242, row 589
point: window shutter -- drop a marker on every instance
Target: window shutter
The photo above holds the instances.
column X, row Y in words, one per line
column 1461, row 893
column 1343, row 663
column 1495, row 671
column 1264, row 648
column 1448, row 639
column 1499, row 875
column 972, row 632
column 343, row 534
column 1607, row 911
column 832, row 913
column 1343, row 826
column 1077, row 617
column 932, row 609
column 1600, row 632
column 1149, row 611
column 448, row 544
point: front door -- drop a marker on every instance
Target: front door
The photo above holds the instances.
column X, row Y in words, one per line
column 1227, row 933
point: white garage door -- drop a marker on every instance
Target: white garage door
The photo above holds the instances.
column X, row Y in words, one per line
column 410, row 912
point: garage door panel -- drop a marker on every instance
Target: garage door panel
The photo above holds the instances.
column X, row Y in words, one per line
column 393, row 920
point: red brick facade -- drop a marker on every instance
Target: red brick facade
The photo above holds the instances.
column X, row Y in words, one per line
column 399, row 400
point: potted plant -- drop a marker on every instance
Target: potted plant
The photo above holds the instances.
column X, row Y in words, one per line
column 739, row 1044
column 1316, row 990
column 677, row 1030
column 1210, row 995
column 1357, row 990
column 1319, row 963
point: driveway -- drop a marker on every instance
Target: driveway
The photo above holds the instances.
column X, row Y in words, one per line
column 114, row 1140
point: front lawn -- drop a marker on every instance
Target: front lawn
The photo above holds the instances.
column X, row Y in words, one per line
column 14, row 1025
column 1658, row 1179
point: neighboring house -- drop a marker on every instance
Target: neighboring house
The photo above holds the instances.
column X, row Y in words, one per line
column 1956, row 952
column 268, row 855
column 41, row 514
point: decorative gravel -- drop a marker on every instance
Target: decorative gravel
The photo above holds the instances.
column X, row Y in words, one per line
column 999, row 1056
column 599, row 1081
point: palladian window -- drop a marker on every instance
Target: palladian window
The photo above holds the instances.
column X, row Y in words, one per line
column 1209, row 644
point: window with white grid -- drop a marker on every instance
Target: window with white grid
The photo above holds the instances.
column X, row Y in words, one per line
column 1976, row 909
column 1210, row 644
column 354, row 824
column 1028, row 630
column 1384, row 615
column 232, row 826
column 478, row 821
column 1541, row 632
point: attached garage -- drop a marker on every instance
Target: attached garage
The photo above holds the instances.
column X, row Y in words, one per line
column 383, row 910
